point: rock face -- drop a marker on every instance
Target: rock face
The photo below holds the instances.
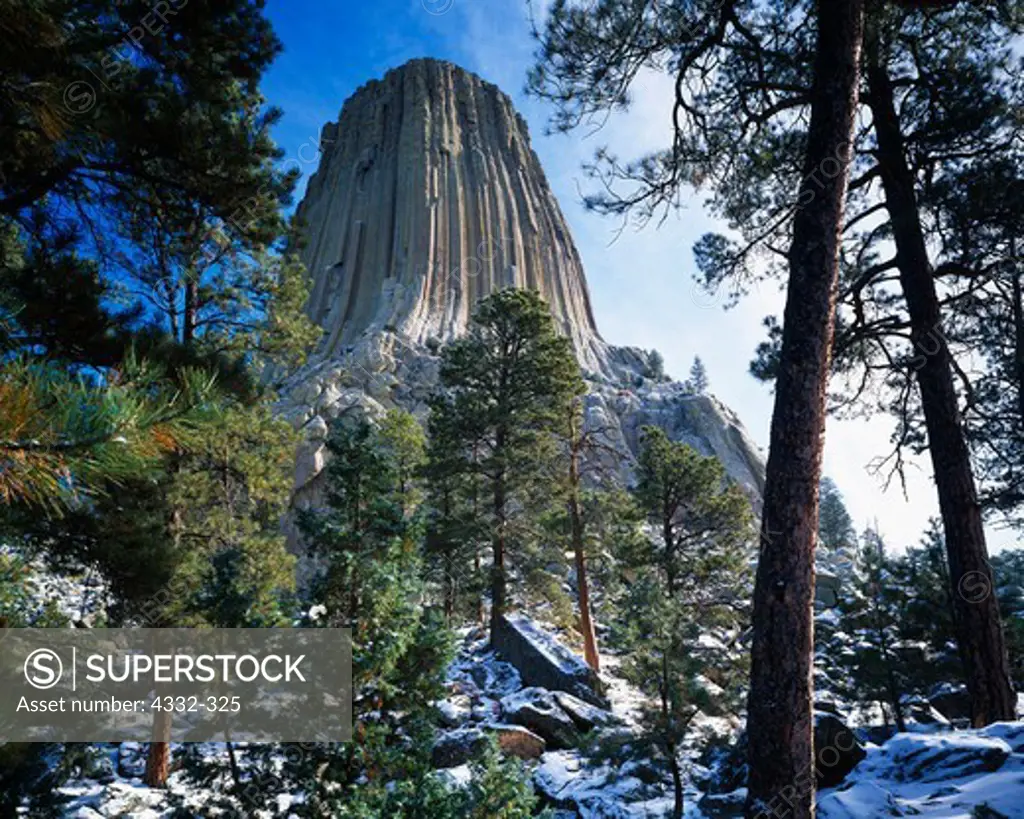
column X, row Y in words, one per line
column 837, row 750
column 428, row 198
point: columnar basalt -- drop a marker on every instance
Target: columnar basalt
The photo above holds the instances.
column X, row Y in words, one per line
column 429, row 198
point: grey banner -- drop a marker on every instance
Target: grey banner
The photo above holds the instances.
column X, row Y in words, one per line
column 184, row 685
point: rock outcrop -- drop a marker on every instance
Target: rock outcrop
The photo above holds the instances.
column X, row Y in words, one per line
column 543, row 661
column 837, row 750
column 538, row 710
column 428, row 198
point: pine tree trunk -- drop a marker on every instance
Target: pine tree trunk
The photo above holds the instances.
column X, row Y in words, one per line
column 481, row 614
column 672, row 751
column 677, row 786
column 449, row 589
column 590, row 653
column 236, row 773
column 894, row 698
column 498, row 579
column 159, row 757
column 1018, row 331
column 779, row 724
column 979, row 628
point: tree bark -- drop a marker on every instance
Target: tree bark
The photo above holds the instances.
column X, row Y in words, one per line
column 590, row 653
column 576, row 443
column 779, row 723
column 159, row 758
column 976, row 610
column 670, row 745
column 499, row 582
column 677, row 785
column 1018, row 329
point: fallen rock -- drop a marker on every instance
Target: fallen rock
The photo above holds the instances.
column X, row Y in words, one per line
column 1012, row 733
column 724, row 805
column 942, row 757
column 544, row 662
column 495, row 677
column 515, row 740
column 556, row 776
column 458, row 777
column 587, row 717
column 827, row 587
column 486, row 710
column 859, row 800
column 537, row 709
column 454, row 711
column 922, row 712
column 836, row 749
column 458, row 747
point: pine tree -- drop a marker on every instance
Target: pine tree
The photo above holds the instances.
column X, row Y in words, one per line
column 367, row 538
column 698, row 381
column 928, row 136
column 588, row 58
column 877, row 672
column 580, row 451
column 501, row 390
column 980, row 627
column 63, row 435
column 456, row 532
column 169, row 157
column 686, row 601
column 835, row 526
column 109, row 102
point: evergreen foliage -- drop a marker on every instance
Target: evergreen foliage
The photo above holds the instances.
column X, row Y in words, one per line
column 62, row 434
column 502, row 388
column 687, row 598
column 835, row 526
column 698, row 380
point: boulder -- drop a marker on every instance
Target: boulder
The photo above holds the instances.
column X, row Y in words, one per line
column 515, row 740
column 827, row 587
column 587, row 717
column 458, row 747
column 858, row 801
column 942, row 757
column 537, row 709
column 458, row 777
column 1012, row 733
column 922, row 712
column 495, row 677
column 542, row 661
column 836, row 749
column 455, row 710
column 724, row 805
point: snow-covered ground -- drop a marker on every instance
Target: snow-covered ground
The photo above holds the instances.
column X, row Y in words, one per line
column 932, row 771
column 950, row 775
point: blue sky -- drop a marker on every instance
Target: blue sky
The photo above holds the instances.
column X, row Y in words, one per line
column 640, row 279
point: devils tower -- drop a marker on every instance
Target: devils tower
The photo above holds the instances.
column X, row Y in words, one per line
column 428, row 198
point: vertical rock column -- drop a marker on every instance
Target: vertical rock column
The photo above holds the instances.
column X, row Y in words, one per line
column 428, row 198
